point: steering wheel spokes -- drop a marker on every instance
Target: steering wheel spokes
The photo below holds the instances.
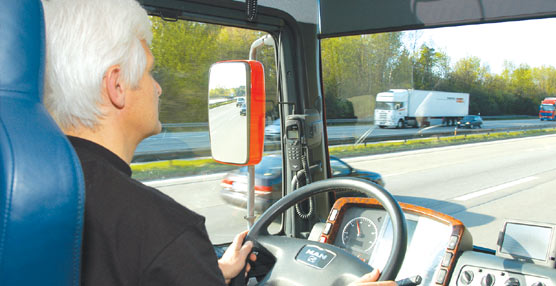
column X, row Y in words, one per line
column 302, row 262
column 306, row 262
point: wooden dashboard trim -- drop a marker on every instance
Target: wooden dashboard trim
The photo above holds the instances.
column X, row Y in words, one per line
column 345, row 203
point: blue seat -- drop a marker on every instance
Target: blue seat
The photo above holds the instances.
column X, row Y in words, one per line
column 41, row 183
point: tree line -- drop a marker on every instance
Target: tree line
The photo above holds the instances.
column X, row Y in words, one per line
column 368, row 64
column 184, row 52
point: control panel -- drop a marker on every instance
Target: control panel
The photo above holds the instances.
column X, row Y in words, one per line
column 478, row 276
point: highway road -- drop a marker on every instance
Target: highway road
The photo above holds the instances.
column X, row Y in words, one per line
column 480, row 184
column 192, row 142
column 227, row 119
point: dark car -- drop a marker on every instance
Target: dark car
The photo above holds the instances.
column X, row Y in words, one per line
column 471, row 121
column 268, row 181
column 272, row 131
column 243, row 109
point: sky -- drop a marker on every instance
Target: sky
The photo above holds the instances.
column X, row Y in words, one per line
column 227, row 75
column 531, row 42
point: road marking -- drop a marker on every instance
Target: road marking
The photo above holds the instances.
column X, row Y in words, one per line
column 494, row 189
column 184, row 180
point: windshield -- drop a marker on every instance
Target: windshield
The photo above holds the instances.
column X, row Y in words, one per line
column 384, row 105
column 547, row 107
column 269, row 164
column 501, row 72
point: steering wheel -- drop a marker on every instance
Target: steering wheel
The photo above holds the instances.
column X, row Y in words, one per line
column 303, row 262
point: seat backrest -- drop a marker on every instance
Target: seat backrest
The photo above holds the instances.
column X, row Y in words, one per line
column 41, row 182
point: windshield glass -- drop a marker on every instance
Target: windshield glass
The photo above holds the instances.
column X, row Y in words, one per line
column 269, row 164
column 546, row 107
column 177, row 161
column 501, row 72
column 384, row 105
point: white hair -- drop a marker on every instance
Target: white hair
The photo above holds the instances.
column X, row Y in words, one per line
column 83, row 39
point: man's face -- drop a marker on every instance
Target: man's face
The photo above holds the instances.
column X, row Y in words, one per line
column 143, row 102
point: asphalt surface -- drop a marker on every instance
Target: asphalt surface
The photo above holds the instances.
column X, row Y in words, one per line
column 194, row 144
column 480, row 184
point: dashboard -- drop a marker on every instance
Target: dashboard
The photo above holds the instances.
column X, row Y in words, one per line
column 363, row 228
column 439, row 247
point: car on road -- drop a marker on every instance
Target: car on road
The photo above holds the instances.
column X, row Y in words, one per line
column 272, row 131
column 471, row 121
column 268, row 181
column 243, row 109
column 240, row 101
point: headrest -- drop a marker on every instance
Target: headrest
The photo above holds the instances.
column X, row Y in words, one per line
column 21, row 48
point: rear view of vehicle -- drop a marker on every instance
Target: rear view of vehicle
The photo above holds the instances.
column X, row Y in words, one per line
column 268, row 182
column 547, row 109
column 471, row 121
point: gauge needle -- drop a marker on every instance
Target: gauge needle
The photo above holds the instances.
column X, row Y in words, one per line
column 358, row 228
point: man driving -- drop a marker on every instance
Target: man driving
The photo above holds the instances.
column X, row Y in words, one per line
column 100, row 91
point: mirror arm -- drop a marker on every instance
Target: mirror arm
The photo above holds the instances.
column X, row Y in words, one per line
column 258, row 44
column 250, row 196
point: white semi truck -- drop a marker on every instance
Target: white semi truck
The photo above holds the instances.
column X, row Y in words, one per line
column 402, row 108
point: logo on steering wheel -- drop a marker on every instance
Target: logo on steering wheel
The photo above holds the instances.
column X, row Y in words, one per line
column 315, row 256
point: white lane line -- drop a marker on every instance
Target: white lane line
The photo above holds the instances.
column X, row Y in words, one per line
column 494, row 189
column 184, row 180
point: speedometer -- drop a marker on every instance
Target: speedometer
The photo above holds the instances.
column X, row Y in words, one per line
column 359, row 234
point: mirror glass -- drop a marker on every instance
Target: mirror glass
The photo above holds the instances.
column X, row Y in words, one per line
column 229, row 110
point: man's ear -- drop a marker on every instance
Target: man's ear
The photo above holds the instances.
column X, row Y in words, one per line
column 115, row 88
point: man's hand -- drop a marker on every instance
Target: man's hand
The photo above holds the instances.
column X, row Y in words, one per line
column 234, row 259
column 370, row 279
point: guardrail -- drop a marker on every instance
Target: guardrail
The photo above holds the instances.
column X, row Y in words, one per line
column 190, row 124
column 343, row 121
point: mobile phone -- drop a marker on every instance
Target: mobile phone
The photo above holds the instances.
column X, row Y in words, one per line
column 294, row 135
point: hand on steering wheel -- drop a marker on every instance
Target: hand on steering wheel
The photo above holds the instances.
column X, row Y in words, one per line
column 301, row 262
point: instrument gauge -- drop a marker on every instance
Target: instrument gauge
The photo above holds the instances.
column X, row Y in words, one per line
column 359, row 234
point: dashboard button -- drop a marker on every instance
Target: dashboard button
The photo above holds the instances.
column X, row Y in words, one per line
column 447, row 258
column 453, row 242
column 441, row 276
column 488, row 280
column 512, row 282
column 327, row 228
column 466, row 277
column 333, row 215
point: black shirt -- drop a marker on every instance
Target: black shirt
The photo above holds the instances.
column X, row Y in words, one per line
column 134, row 234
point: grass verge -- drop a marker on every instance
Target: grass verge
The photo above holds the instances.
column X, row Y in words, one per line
column 180, row 168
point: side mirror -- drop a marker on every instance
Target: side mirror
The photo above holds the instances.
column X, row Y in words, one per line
column 236, row 112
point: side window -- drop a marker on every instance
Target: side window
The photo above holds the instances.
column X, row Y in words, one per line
column 177, row 161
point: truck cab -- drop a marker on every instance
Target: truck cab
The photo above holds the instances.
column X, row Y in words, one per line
column 391, row 109
column 464, row 215
column 547, row 109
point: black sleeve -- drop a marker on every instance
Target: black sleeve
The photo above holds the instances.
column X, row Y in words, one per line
column 188, row 260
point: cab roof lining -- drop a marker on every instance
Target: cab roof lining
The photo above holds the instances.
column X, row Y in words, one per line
column 372, row 16
column 339, row 18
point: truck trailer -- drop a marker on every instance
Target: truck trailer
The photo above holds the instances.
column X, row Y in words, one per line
column 546, row 110
column 402, row 108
